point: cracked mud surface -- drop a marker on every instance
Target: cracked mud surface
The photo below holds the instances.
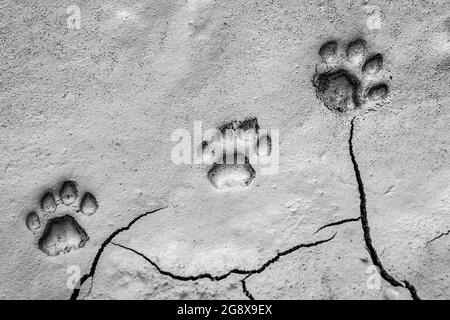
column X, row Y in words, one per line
column 97, row 106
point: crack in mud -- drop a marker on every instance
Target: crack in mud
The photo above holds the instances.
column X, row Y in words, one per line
column 338, row 223
column 365, row 227
column 233, row 271
column 365, row 224
column 439, row 236
column 245, row 290
column 91, row 272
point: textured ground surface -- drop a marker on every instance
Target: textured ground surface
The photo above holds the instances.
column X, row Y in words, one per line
column 97, row 106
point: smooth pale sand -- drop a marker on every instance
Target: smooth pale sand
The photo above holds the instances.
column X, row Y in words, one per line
column 98, row 106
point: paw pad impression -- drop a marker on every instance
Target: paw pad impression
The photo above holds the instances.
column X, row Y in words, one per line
column 61, row 233
column 232, row 152
column 347, row 80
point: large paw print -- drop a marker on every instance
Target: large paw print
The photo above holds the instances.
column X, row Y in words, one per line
column 347, row 80
column 62, row 233
column 232, row 151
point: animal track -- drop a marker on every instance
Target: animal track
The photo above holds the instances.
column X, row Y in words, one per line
column 238, row 174
column 232, row 151
column 62, row 233
column 349, row 80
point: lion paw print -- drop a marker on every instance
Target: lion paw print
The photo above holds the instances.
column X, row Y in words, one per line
column 232, row 151
column 61, row 233
column 349, row 79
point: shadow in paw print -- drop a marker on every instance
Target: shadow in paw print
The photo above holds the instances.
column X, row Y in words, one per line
column 230, row 150
column 349, row 79
column 62, row 233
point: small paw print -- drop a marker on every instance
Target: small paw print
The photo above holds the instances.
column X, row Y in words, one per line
column 61, row 233
column 349, row 79
column 232, row 151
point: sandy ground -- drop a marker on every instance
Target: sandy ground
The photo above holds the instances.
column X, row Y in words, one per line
column 98, row 105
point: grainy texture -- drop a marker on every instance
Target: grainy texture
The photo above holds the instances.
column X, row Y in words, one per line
column 98, row 104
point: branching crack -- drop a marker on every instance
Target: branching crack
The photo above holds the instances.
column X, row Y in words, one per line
column 365, row 224
column 338, row 223
column 439, row 236
column 233, row 271
column 91, row 272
